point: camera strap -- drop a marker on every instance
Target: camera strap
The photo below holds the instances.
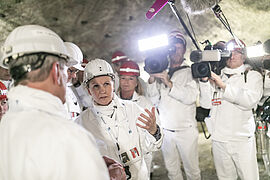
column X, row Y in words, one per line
column 173, row 70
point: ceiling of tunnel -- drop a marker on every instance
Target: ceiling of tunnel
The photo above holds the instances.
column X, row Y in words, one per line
column 101, row 27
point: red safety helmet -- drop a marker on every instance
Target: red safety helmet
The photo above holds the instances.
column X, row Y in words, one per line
column 129, row 68
column 118, row 56
column 3, row 91
column 177, row 37
column 232, row 45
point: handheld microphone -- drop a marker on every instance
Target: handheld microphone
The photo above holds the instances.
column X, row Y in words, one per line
column 155, row 8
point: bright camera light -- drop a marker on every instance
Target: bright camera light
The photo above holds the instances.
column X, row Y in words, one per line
column 230, row 46
column 153, row 42
column 255, row 51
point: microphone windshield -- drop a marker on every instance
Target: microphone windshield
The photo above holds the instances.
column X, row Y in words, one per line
column 198, row 6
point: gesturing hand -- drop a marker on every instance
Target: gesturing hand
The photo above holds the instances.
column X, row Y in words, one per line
column 148, row 121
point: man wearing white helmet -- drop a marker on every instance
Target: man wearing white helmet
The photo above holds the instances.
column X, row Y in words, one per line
column 73, row 104
column 121, row 128
column 36, row 139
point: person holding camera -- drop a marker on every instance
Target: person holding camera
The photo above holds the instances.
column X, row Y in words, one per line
column 232, row 97
column 175, row 93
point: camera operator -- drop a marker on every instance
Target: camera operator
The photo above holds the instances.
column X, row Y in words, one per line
column 231, row 98
column 175, row 94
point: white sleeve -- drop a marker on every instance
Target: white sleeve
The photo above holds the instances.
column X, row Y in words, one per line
column 205, row 94
column 248, row 96
column 185, row 88
column 153, row 93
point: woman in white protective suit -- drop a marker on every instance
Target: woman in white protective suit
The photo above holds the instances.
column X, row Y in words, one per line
column 121, row 128
column 131, row 89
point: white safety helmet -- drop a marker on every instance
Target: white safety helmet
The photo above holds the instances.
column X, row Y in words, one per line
column 76, row 55
column 31, row 39
column 95, row 68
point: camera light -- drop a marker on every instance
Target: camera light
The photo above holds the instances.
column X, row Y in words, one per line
column 230, row 46
column 255, row 51
column 153, row 42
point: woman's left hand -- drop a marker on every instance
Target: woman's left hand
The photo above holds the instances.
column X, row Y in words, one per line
column 148, row 121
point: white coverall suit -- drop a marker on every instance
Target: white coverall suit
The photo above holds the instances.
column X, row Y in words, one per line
column 114, row 128
column 177, row 108
column 38, row 142
column 231, row 122
column 143, row 102
column 72, row 104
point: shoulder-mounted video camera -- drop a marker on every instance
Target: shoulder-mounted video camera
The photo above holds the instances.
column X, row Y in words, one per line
column 212, row 58
column 157, row 57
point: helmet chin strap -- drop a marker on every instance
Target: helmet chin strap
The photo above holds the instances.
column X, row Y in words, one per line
column 19, row 72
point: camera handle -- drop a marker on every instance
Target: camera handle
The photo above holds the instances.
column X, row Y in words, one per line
column 177, row 14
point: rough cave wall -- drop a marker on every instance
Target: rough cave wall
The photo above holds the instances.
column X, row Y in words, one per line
column 101, row 27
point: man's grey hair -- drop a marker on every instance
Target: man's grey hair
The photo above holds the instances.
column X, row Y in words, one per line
column 39, row 74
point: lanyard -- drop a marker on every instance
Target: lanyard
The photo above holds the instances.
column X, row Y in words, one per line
column 109, row 128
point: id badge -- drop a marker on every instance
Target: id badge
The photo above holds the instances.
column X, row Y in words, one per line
column 131, row 156
column 216, row 101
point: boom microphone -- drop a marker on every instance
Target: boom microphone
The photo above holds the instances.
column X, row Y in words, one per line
column 155, row 8
column 198, row 6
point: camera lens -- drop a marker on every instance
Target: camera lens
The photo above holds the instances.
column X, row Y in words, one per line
column 156, row 63
column 203, row 69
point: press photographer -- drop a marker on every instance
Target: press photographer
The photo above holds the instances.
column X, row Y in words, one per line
column 175, row 93
column 231, row 97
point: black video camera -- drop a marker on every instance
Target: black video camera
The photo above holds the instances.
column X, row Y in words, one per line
column 213, row 58
column 157, row 59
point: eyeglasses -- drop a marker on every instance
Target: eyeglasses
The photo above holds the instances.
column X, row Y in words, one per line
column 75, row 71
